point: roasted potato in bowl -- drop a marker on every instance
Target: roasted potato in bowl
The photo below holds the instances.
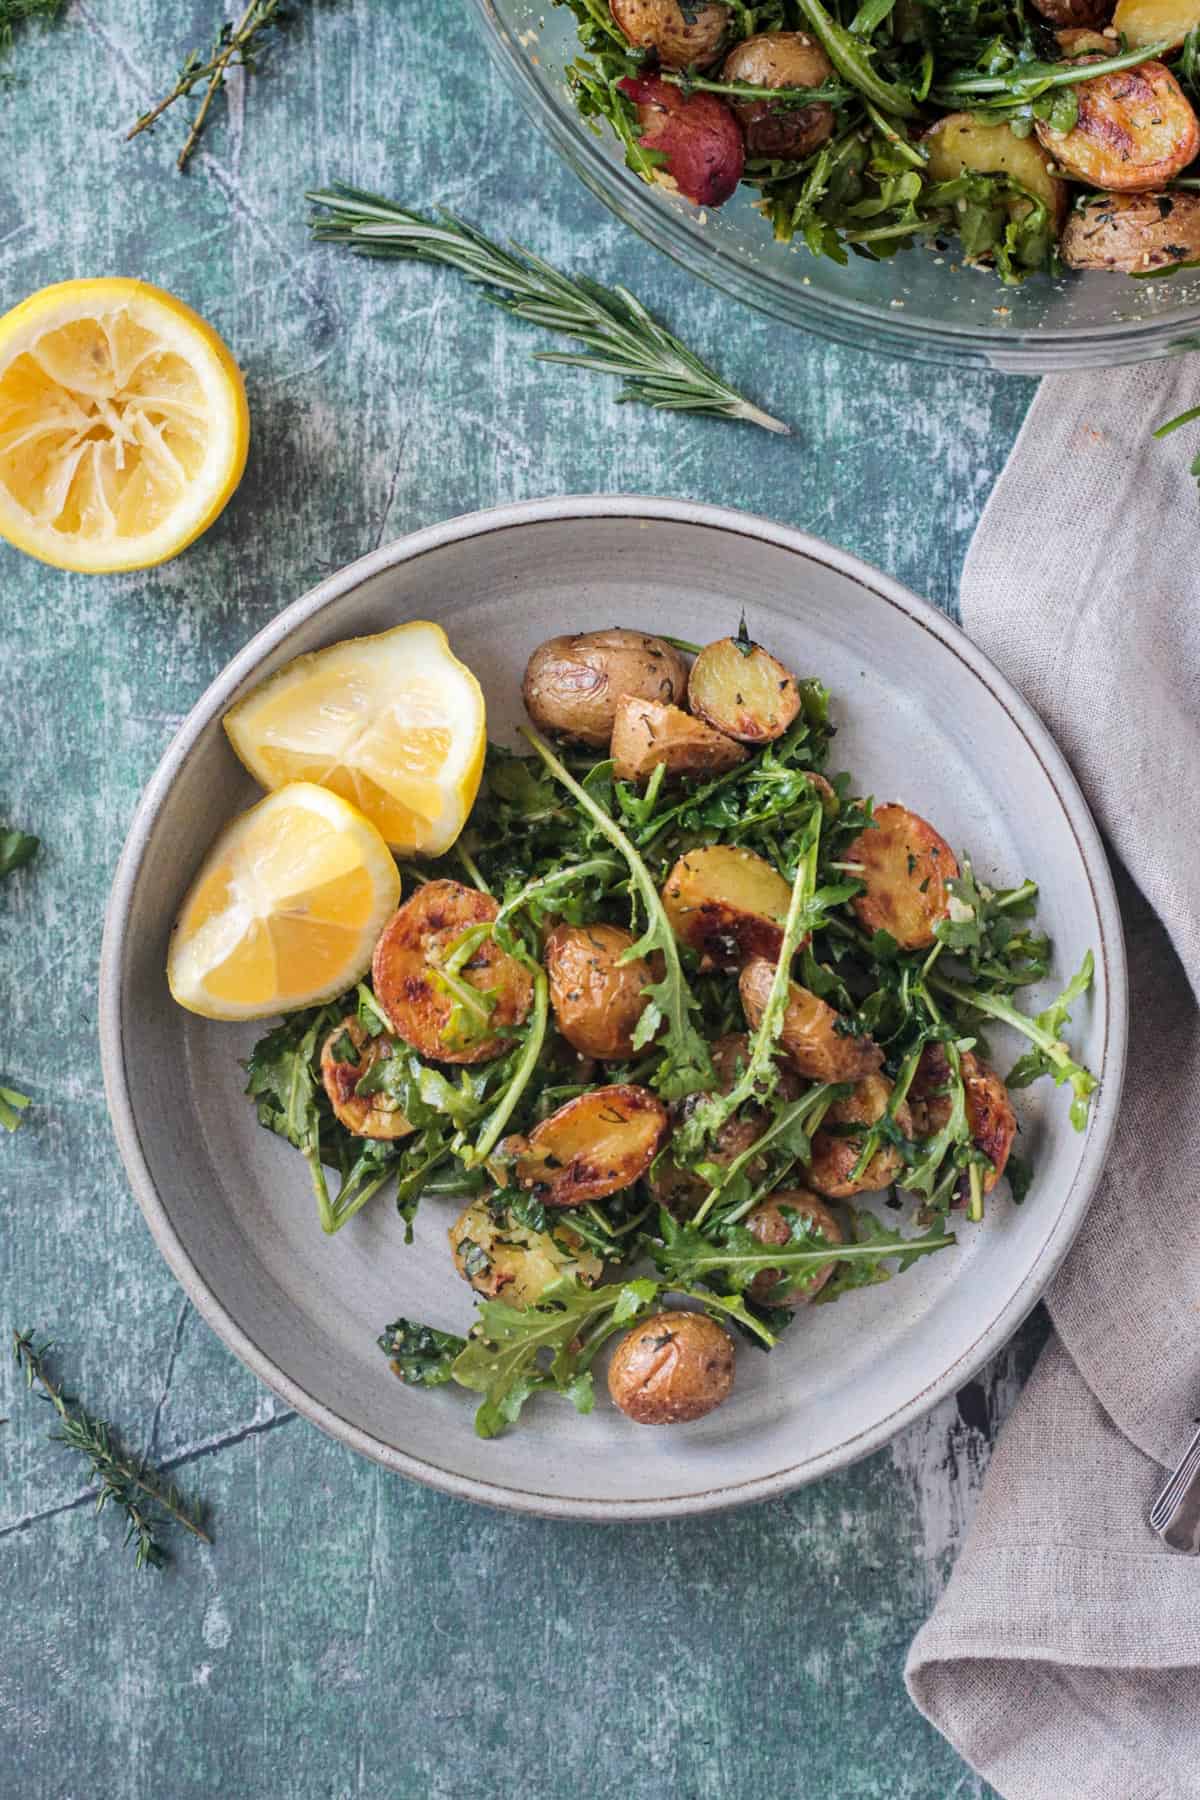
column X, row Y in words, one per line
column 696, row 134
column 1142, row 22
column 1134, row 131
column 682, row 34
column 740, row 689
column 727, row 904
column 597, row 998
column 645, row 733
column 504, row 1259
column 990, row 1117
column 961, row 141
column 671, row 1368
column 781, row 59
column 1133, row 233
column 904, row 865
column 837, row 1146
column 813, row 1038
column 595, row 1145
column 347, row 1056
column 770, row 1223
column 572, row 684
column 1077, row 14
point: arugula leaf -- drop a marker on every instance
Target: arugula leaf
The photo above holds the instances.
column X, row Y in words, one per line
column 1051, row 1054
column 16, row 849
column 420, row 1355
column 12, row 1105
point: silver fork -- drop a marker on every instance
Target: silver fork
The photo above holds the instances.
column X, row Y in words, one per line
column 1175, row 1515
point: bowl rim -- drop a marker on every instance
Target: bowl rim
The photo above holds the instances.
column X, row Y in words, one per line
column 1110, row 960
column 863, row 324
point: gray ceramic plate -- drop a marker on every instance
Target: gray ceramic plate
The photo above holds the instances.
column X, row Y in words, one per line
column 923, row 718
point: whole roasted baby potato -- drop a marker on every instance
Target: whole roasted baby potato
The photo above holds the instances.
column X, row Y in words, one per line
column 1142, row 22
column 506, row 1259
column 597, row 998
column 834, row 1155
column 572, row 684
column 593, row 1146
column 646, row 733
column 1134, row 131
column 1130, row 233
column 696, row 134
column 418, row 1007
column 905, row 865
column 961, row 141
column 727, row 904
column 990, row 1117
column 781, row 59
column 347, row 1055
column 810, row 1038
column 681, row 36
column 770, row 1223
column 740, row 689
column 671, row 1368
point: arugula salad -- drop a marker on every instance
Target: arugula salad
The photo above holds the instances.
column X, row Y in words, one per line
column 1039, row 135
column 675, row 998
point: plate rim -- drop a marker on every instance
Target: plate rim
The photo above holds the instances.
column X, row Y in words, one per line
column 1110, row 954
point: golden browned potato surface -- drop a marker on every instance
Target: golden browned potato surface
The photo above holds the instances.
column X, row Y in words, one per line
column 593, row 1146
column 743, row 692
column 572, row 684
column 671, row 1368
column 810, row 1039
column 347, row 1054
column 1085, row 43
column 1142, row 22
column 645, row 733
column 905, row 865
column 403, row 973
column 509, row 1260
column 990, row 1117
column 834, row 1155
column 597, row 999
column 769, row 1223
column 1135, row 131
column 781, row 59
column 727, row 904
column 1130, row 233
column 679, row 35
column 960, row 141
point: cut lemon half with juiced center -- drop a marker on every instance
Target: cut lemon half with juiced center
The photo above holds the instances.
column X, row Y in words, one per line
column 286, row 909
column 394, row 723
column 123, row 425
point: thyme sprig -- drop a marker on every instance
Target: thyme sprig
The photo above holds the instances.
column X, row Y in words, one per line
column 150, row 1503
column 236, row 46
column 620, row 337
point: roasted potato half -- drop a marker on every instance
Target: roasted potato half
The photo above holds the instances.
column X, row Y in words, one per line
column 740, row 689
column 645, row 733
column 770, row 1224
column 781, row 59
column 727, row 904
column 834, row 1153
column 1130, row 233
column 681, row 36
column 507, row 1259
column 810, row 1038
column 417, row 1006
column 347, row 1055
column 572, row 684
column 597, row 998
column 592, row 1147
column 960, row 141
column 990, row 1117
column 905, row 865
column 1150, row 21
column 697, row 135
column 1135, row 131
column 671, row 1368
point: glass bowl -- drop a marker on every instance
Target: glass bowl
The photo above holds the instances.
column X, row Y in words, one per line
column 917, row 304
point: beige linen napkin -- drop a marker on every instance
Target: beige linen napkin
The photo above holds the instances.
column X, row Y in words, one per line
column 1063, row 1660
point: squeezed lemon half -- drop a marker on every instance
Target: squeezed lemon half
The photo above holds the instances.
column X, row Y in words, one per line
column 394, row 723
column 285, row 911
column 123, row 425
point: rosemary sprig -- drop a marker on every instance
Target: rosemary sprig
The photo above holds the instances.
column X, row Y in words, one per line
column 621, row 337
column 236, row 46
column 149, row 1503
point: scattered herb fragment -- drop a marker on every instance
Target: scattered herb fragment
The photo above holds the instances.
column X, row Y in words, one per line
column 236, row 46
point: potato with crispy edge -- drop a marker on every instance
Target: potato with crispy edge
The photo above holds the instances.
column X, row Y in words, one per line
column 1142, row 22
column 810, row 1038
column 1134, row 131
column 904, row 865
column 739, row 688
column 404, row 974
column 681, row 37
column 573, row 683
column 597, row 998
column 727, row 904
column 646, row 733
column 770, row 1224
column 696, row 134
column 781, row 59
column 671, row 1368
column 1130, row 233
column 961, row 141
column 834, row 1154
column 347, row 1055
column 505, row 1259
column 593, row 1146
column 990, row 1117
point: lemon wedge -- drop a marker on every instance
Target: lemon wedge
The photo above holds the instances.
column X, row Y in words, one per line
column 394, row 723
column 286, row 909
column 123, row 425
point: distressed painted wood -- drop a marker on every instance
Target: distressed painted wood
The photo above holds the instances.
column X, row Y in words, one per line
column 350, row 1634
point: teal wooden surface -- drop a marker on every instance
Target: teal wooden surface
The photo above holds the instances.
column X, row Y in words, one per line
column 349, row 1634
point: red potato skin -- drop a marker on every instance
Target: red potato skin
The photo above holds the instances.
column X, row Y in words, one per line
column 697, row 134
